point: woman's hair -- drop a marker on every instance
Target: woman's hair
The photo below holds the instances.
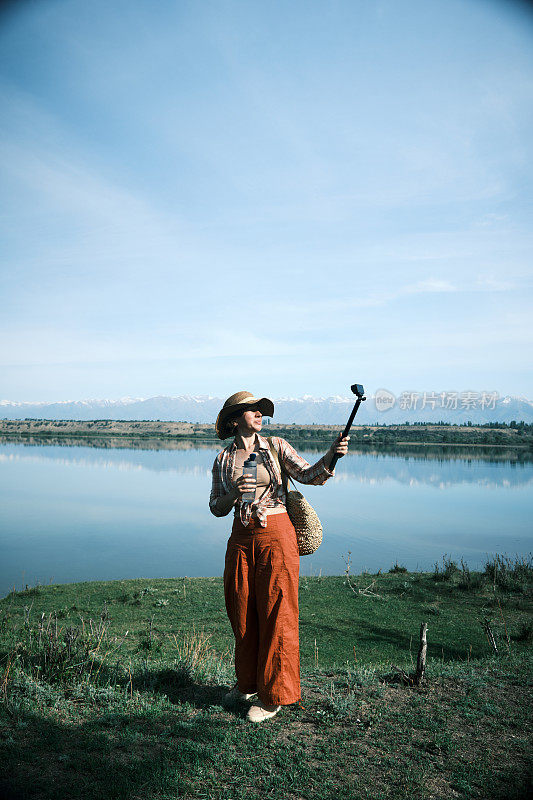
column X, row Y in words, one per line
column 230, row 425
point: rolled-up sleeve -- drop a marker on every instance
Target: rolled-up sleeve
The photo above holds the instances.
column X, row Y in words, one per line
column 217, row 489
column 299, row 469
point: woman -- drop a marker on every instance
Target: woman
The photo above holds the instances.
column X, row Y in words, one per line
column 262, row 560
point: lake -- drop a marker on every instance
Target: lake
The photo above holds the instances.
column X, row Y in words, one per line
column 82, row 513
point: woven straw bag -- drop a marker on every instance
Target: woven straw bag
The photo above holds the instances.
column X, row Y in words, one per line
column 301, row 513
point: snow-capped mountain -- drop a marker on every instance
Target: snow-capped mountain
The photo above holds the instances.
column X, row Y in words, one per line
column 305, row 410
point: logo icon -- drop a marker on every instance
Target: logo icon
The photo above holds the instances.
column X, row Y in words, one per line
column 384, row 400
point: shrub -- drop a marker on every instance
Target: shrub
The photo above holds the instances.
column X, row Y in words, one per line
column 508, row 574
column 469, row 581
column 341, row 703
column 448, row 570
column 398, row 568
column 196, row 661
column 58, row 654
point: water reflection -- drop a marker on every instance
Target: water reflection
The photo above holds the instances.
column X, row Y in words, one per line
column 372, row 466
column 75, row 512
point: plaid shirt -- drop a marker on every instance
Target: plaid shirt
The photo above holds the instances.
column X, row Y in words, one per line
column 274, row 496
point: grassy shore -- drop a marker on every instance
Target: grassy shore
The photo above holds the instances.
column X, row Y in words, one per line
column 114, row 690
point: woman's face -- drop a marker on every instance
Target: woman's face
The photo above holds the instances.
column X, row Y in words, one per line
column 250, row 421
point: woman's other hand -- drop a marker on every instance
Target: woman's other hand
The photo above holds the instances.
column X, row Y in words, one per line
column 244, row 483
column 338, row 448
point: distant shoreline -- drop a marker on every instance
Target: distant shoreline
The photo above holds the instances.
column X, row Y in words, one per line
column 501, row 436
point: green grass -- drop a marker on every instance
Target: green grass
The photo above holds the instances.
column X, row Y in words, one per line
column 114, row 690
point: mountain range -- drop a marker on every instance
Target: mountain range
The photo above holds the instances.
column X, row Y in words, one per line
column 302, row 410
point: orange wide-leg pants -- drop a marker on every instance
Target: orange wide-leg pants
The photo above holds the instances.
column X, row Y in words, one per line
column 261, row 593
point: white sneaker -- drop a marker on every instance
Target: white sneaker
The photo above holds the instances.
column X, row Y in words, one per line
column 260, row 712
column 235, row 695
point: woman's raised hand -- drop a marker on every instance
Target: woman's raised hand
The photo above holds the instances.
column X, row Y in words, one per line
column 340, row 445
column 338, row 448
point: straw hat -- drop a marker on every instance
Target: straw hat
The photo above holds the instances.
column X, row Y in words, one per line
column 240, row 402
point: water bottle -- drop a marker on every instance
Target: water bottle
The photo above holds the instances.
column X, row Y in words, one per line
column 250, row 468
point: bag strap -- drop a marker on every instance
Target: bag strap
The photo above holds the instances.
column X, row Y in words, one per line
column 284, row 477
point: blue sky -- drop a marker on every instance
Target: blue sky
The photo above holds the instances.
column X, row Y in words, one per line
column 283, row 196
